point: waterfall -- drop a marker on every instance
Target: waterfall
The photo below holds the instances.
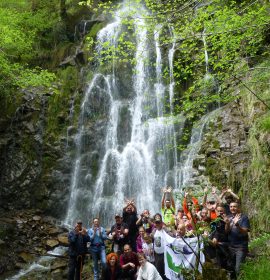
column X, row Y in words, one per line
column 186, row 171
column 159, row 87
column 170, row 58
column 126, row 145
column 205, row 54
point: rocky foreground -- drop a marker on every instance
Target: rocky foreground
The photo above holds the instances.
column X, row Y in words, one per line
column 27, row 236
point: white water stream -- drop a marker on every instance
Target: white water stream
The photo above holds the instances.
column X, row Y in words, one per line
column 142, row 164
column 134, row 146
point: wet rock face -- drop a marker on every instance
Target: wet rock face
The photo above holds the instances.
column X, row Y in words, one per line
column 34, row 173
column 21, row 152
column 224, row 155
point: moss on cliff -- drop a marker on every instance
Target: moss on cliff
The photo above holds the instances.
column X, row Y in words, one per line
column 237, row 148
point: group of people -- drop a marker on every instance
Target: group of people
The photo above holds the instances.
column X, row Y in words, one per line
column 137, row 243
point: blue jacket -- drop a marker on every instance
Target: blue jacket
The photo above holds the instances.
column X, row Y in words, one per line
column 97, row 239
column 77, row 243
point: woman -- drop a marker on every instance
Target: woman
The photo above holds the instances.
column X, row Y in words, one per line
column 179, row 217
column 148, row 248
column 113, row 270
column 147, row 270
column 139, row 240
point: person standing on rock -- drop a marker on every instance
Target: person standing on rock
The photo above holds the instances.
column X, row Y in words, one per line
column 168, row 208
column 238, row 235
column 97, row 236
column 159, row 245
column 130, row 218
column 77, row 239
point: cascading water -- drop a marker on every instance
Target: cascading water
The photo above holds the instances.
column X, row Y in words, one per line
column 134, row 147
column 171, row 57
column 186, row 170
column 205, row 53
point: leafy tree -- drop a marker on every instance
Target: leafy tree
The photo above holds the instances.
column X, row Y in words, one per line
column 234, row 33
column 22, row 29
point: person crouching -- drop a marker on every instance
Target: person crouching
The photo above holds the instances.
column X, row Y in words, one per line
column 129, row 263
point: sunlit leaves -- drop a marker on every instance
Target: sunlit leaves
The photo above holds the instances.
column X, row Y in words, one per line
column 20, row 28
column 229, row 32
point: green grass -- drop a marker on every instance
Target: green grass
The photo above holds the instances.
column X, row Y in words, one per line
column 258, row 269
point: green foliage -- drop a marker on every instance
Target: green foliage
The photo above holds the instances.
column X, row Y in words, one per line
column 21, row 33
column 260, row 242
column 232, row 33
column 264, row 123
column 259, row 267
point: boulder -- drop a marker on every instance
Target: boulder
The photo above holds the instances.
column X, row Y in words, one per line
column 63, row 239
column 36, row 218
column 26, row 257
column 59, row 264
column 52, row 243
column 54, row 231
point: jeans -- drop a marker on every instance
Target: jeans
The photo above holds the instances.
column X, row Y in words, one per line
column 239, row 256
column 75, row 267
column 98, row 253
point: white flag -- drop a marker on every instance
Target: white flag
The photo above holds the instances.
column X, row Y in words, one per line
column 180, row 254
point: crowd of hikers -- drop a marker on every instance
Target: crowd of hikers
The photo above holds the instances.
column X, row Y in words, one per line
column 137, row 245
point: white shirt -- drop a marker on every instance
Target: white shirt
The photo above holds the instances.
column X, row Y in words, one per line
column 159, row 241
column 148, row 272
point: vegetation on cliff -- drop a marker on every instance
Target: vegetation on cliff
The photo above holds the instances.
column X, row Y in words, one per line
column 37, row 36
column 234, row 34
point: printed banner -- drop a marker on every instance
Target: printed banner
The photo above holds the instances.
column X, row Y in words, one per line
column 180, row 254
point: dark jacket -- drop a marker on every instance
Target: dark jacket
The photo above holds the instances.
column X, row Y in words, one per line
column 130, row 219
column 108, row 275
column 77, row 243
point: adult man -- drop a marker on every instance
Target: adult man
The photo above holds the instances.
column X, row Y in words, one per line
column 238, row 235
column 158, row 236
column 130, row 218
column 168, row 208
column 129, row 263
column 145, row 221
column 97, row 236
column 219, row 239
column 78, row 239
column 118, row 234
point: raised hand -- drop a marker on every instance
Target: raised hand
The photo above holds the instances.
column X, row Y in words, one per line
column 225, row 219
column 224, row 190
column 237, row 218
column 83, row 231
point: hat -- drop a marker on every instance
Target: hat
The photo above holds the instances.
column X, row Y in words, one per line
column 117, row 215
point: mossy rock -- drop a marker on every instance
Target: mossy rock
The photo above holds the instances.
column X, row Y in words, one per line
column 95, row 29
column 212, row 272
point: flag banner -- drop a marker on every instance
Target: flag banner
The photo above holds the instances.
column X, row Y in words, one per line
column 179, row 254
